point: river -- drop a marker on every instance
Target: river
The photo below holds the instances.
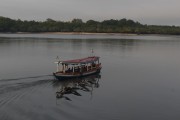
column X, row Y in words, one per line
column 139, row 80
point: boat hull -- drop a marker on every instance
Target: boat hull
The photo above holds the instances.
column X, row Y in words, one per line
column 64, row 77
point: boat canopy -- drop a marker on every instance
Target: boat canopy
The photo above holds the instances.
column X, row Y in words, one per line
column 81, row 61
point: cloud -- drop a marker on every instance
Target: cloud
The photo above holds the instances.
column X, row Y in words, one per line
column 146, row 11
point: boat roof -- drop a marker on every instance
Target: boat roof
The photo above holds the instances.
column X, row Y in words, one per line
column 81, row 61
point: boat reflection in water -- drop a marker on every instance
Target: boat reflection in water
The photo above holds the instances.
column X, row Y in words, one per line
column 77, row 86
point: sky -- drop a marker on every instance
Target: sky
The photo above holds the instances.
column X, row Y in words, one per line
column 151, row 12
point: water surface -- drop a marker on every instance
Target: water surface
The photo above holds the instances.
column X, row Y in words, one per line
column 139, row 80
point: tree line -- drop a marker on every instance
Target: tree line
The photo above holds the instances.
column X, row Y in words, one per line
column 92, row 26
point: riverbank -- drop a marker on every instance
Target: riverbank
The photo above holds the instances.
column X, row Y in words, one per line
column 82, row 36
column 85, row 33
column 69, row 33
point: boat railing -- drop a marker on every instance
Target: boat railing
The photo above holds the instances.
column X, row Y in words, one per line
column 83, row 70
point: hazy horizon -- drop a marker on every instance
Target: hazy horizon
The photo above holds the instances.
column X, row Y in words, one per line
column 159, row 12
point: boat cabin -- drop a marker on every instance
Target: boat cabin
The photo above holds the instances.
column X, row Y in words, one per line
column 78, row 67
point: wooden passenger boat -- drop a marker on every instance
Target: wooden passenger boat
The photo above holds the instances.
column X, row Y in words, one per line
column 77, row 68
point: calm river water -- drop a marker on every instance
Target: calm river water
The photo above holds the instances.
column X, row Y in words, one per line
column 140, row 78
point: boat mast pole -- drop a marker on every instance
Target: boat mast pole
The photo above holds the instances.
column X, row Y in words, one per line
column 57, row 67
column 57, row 63
column 64, row 68
column 92, row 53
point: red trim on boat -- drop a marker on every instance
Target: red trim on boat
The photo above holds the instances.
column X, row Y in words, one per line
column 83, row 60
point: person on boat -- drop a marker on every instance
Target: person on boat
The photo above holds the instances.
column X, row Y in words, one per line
column 68, row 70
column 93, row 64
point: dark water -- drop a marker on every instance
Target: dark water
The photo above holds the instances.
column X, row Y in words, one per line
column 140, row 78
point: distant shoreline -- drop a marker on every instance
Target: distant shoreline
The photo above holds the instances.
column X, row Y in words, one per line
column 80, row 33
column 84, row 33
column 77, row 33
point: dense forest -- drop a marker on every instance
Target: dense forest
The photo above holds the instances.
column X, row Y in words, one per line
column 92, row 26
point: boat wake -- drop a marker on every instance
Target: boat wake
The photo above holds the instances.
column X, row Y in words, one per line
column 15, row 88
column 1, row 80
column 34, row 92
